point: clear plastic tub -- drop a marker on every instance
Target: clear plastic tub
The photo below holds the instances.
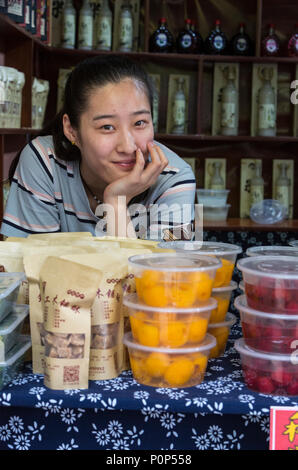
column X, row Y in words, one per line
column 274, row 250
column 223, row 297
column 216, row 213
column 9, row 289
column 179, row 280
column 170, row 368
column 271, row 283
column 226, row 252
column 221, row 332
column 11, row 327
column 265, row 332
column 293, row 243
column 271, row 374
column 213, row 197
column 167, row 327
column 241, row 286
column 14, row 361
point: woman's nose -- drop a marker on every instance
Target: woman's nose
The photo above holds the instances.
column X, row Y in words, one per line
column 126, row 143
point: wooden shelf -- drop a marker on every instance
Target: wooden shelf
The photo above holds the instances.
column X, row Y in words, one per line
column 249, row 225
column 19, row 131
column 223, row 138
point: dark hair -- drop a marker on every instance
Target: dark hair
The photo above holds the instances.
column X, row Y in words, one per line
column 88, row 75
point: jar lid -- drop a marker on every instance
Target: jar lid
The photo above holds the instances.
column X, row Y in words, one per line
column 272, row 251
column 207, row 344
column 278, row 267
column 206, row 248
column 242, row 348
column 132, row 301
column 229, row 320
column 240, row 304
column 175, row 262
column 232, row 286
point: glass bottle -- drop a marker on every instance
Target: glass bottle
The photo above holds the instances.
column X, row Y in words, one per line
column 126, row 28
column 241, row 43
column 68, row 26
column 282, row 187
column 216, row 42
column 257, row 186
column 161, row 40
column 103, row 34
column 179, row 109
column 293, row 43
column 229, row 105
column 85, row 39
column 270, row 43
column 186, row 39
column 267, row 106
column 216, row 181
column 199, row 48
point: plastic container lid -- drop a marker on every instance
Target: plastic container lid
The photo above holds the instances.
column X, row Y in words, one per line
column 173, row 262
column 242, row 348
column 9, row 282
column 241, row 286
column 206, row 248
column 278, row 267
column 9, row 324
column 132, row 301
column 211, row 192
column 272, row 251
column 216, row 206
column 217, row 290
column 268, row 211
column 208, row 343
column 22, row 346
column 230, row 320
column 293, row 242
column 241, row 304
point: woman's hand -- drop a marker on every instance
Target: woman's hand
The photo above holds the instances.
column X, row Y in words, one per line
column 140, row 178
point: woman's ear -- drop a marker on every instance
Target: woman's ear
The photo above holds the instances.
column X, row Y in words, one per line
column 68, row 130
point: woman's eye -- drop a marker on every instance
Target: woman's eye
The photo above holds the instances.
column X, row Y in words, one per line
column 107, row 127
column 140, row 123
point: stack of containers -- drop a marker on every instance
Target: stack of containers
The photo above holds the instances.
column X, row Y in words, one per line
column 214, row 202
column 168, row 344
column 221, row 320
column 269, row 320
column 13, row 346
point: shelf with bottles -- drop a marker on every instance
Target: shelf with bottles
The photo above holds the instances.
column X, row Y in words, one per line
column 237, row 224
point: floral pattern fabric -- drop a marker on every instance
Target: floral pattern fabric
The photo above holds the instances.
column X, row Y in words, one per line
column 120, row 414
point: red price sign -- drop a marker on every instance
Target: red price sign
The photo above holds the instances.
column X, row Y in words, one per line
column 283, row 428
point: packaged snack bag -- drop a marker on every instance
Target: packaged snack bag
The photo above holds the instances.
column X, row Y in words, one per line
column 34, row 257
column 108, row 355
column 67, row 290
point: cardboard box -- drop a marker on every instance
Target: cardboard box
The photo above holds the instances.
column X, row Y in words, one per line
column 209, row 169
column 55, row 15
column 135, row 9
column 290, row 175
column 15, row 9
column 155, row 78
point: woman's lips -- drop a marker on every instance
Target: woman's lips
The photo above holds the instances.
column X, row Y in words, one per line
column 126, row 164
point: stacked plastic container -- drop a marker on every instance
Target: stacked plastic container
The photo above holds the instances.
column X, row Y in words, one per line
column 269, row 320
column 221, row 320
column 13, row 346
column 169, row 345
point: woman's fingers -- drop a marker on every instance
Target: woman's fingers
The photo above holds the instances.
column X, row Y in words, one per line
column 158, row 161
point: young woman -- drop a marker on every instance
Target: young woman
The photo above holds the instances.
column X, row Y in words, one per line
column 97, row 168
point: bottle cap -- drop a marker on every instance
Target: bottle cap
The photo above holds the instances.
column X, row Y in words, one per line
column 217, row 21
column 188, row 21
column 162, row 20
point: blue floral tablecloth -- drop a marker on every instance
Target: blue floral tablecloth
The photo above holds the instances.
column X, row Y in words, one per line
column 121, row 414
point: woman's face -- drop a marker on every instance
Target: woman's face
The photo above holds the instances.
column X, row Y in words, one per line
column 116, row 122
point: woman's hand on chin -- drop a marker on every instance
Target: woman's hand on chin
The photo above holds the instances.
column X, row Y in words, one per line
column 140, row 178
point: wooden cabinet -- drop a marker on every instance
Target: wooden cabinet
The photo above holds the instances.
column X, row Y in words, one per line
column 23, row 51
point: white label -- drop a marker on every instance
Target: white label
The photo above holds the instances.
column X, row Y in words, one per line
column 256, row 194
column 296, row 44
column 179, row 112
column 126, row 33
column 241, row 44
column 218, row 42
column 161, row 40
column 228, row 115
column 266, row 116
column 69, row 32
column 85, row 31
column 186, row 40
column 104, row 32
column 271, row 45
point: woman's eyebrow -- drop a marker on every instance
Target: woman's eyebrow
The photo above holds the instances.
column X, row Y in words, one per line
column 142, row 111
column 113, row 116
